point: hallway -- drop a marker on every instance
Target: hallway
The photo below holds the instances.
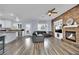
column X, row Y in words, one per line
column 51, row 46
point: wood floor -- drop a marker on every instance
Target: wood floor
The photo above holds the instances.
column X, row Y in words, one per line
column 51, row 46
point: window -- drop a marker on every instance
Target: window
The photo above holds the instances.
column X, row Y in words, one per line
column 43, row 27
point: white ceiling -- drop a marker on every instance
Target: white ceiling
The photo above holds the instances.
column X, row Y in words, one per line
column 33, row 11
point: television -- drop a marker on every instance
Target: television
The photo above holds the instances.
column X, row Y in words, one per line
column 58, row 30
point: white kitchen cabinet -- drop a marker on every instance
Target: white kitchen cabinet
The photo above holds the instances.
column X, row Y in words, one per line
column 2, row 23
column 5, row 23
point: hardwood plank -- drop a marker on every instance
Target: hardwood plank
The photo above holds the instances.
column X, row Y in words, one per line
column 51, row 46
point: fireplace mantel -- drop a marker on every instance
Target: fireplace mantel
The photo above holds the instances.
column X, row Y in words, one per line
column 71, row 26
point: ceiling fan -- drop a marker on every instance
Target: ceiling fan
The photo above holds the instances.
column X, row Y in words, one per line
column 50, row 12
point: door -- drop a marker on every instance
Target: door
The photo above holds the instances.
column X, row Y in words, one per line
column 28, row 29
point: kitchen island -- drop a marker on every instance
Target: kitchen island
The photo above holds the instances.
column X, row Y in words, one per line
column 10, row 34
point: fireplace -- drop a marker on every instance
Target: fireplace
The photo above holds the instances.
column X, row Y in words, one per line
column 70, row 35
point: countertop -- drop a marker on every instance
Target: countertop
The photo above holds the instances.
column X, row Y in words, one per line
column 10, row 30
column 2, row 35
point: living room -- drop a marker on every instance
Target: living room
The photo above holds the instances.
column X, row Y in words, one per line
column 39, row 29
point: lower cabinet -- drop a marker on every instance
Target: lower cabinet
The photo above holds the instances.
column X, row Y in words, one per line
column 58, row 35
column 2, row 44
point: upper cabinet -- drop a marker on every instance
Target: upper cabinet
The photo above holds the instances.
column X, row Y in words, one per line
column 5, row 23
column 2, row 24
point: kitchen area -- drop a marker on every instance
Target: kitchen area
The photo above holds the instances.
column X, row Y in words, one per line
column 9, row 31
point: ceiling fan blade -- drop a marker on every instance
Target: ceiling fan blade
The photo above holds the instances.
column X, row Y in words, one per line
column 50, row 12
column 53, row 9
column 54, row 12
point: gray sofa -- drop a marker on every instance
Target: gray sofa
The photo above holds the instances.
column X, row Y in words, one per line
column 37, row 37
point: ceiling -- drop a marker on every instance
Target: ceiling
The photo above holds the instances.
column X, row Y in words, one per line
column 32, row 11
